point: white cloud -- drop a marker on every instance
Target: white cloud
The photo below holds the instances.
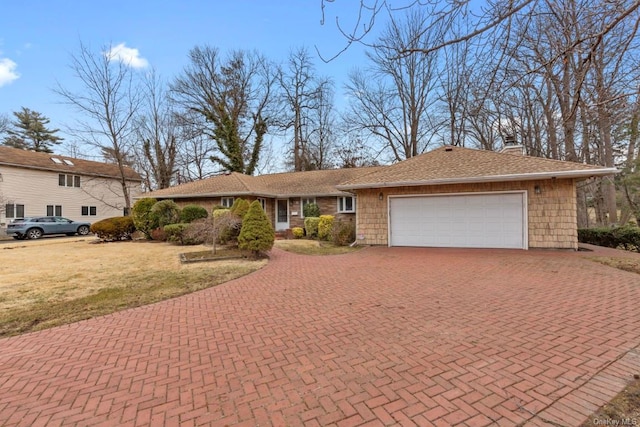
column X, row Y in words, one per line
column 127, row 55
column 8, row 71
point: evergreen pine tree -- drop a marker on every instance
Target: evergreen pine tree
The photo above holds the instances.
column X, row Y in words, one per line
column 257, row 234
column 29, row 132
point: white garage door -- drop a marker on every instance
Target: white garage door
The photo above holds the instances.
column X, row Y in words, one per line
column 458, row 221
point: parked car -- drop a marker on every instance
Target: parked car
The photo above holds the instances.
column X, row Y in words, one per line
column 36, row 227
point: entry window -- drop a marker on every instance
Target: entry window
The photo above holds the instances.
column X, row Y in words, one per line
column 346, row 204
column 304, row 202
column 14, row 211
column 227, row 202
column 263, row 203
column 89, row 211
column 54, row 210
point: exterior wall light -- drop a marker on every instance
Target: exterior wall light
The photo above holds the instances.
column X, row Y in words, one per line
column 537, row 189
column 380, row 196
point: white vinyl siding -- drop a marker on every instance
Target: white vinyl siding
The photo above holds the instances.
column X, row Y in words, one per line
column 35, row 189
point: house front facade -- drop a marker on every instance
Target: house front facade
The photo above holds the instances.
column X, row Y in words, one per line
column 448, row 197
column 282, row 195
column 38, row 184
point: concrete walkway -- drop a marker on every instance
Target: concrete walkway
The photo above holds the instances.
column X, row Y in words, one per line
column 384, row 336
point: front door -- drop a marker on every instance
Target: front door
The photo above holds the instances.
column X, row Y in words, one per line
column 282, row 214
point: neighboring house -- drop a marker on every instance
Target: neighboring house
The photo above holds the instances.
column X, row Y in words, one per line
column 33, row 184
column 449, row 197
column 282, row 195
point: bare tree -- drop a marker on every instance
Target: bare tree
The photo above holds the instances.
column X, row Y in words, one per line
column 305, row 106
column 394, row 98
column 231, row 96
column 4, row 124
column 158, row 136
column 109, row 100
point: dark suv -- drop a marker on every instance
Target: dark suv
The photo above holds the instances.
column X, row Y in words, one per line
column 37, row 226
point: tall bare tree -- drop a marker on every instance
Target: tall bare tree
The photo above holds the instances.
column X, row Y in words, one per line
column 231, row 96
column 108, row 100
column 394, row 98
column 306, row 105
column 158, row 135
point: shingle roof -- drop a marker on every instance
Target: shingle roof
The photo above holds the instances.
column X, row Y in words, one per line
column 460, row 165
column 290, row 184
column 43, row 161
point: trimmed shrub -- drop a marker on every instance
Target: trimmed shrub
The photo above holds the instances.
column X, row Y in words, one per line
column 298, row 232
column 190, row 213
column 174, row 232
column 240, row 208
column 325, row 225
column 225, row 226
column 112, row 229
column 257, row 234
column 627, row 237
column 311, row 226
column 343, row 233
column 220, row 212
column 166, row 212
column 311, row 209
column 143, row 219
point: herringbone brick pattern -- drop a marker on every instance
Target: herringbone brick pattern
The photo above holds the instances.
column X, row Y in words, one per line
column 385, row 336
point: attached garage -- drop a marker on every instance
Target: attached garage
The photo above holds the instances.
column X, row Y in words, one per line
column 487, row 220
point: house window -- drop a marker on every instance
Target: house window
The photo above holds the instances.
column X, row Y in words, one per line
column 227, row 202
column 346, row 204
column 263, row 203
column 68, row 180
column 89, row 211
column 54, row 210
column 14, row 211
column 304, row 202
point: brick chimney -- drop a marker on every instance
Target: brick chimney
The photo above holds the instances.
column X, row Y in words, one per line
column 511, row 146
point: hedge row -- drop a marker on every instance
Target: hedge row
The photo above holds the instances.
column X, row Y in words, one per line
column 627, row 237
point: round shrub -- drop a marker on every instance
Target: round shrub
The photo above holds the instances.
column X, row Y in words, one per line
column 143, row 219
column 311, row 226
column 112, row 229
column 324, row 227
column 166, row 212
column 175, row 232
column 311, row 209
column 220, row 212
column 298, row 232
column 257, row 234
column 192, row 212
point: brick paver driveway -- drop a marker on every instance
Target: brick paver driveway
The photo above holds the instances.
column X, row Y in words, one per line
column 385, row 336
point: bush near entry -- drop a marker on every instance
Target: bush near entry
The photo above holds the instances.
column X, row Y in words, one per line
column 256, row 234
column 311, row 226
column 325, row 225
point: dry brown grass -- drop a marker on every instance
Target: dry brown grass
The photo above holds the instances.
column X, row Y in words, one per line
column 55, row 281
column 313, row 247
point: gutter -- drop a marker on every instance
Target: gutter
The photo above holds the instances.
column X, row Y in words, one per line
column 494, row 178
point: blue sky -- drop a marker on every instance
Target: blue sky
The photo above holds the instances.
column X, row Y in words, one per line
column 36, row 41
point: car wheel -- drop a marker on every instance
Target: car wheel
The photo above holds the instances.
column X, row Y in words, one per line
column 34, row 233
column 83, row 230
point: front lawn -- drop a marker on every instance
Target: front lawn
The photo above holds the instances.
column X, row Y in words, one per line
column 313, row 247
column 51, row 282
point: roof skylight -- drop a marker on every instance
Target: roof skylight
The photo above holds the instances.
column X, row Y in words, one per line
column 67, row 161
column 56, row 160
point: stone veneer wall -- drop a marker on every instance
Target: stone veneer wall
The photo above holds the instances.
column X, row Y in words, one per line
column 551, row 214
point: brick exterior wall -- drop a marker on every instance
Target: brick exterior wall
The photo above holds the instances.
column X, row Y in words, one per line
column 327, row 205
column 551, row 214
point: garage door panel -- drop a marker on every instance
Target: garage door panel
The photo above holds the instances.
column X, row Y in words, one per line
column 474, row 221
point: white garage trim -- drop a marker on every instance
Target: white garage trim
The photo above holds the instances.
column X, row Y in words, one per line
column 523, row 238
